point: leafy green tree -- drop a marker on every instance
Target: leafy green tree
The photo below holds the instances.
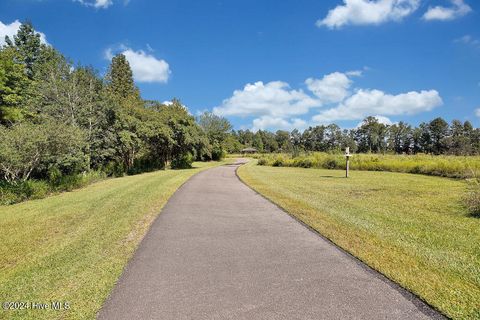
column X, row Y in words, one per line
column 217, row 129
column 371, row 136
column 119, row 79
column 283, row 140
column 297, row 141
column 124, row 98
column 245, row 137
column 21, row 151
column 186, row 134
column 475, row 141
column 127, row 130
column 417, row 140
column 232, row 143
column 268, row 141
column 459, row 143
column 257, row 142
column 439, row 129
column 348, row 140
column 28, row 44
column 400, row 137
column 13, row 87
column 65, row 149
column 28, row 148
column 313, row 138
column 333, row 137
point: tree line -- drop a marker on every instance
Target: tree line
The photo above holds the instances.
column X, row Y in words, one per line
column 61, row 119
column 371, row 136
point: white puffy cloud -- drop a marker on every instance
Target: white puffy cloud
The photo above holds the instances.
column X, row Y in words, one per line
column 274, row 99
column 477, row 112
column 332, row 87
column 469, row 41
column 458, row 9
column 145, row 67
column 274, row 105
column 99, row 4
column 11, row 29
column 367, row 102
column 278, row 123
column 365, row 12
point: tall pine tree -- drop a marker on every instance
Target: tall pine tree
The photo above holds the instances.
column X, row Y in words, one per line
column 27, row 42
column 120, row 79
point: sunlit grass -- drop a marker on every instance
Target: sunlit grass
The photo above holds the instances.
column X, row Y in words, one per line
column 73, row 246
column 412, row 228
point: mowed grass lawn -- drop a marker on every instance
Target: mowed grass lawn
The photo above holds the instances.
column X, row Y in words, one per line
column 73, row 246
column 412, row 228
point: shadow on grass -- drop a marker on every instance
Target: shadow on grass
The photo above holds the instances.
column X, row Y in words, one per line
column 333, row 177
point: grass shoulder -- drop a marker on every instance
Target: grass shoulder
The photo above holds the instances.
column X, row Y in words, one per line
column 73, row 246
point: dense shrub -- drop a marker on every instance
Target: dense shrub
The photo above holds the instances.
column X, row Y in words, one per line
column 277, row 162
column 114, row 169
column 330, row 164
column 31, row 189
column 182, row 161
column 11, row 193
column 262, row 162
column 218, row 153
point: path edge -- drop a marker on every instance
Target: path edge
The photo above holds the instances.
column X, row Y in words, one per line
column 125, row 267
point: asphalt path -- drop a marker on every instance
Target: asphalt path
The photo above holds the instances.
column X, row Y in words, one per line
column 219, row 250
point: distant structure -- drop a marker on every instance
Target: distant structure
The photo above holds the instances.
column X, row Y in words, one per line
column 249, row 150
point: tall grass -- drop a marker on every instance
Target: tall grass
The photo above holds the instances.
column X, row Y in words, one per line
column 444, row 166
column 472, row 199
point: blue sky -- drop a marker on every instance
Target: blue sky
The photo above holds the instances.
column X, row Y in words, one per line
column 269, row 64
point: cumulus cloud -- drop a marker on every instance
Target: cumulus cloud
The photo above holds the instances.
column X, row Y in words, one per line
column 332, row 87
column 99, row 4
column 275, row 105
column 274, row 99
column 367, row 102
column 458, row 9
column 278, row 123
column 477, row 112
column 145, row 66
column 11, row 29
column 365, row 12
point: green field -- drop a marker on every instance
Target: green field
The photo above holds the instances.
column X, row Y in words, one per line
column 444, row 166
column 73, row 246
column 412, row 228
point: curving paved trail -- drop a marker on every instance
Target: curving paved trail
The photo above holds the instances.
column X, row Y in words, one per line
column 218, row 250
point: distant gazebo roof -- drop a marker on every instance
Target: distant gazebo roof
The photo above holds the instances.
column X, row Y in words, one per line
column 249, row 150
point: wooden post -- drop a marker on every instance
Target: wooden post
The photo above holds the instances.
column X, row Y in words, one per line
column 347, row 156
column 348, row 164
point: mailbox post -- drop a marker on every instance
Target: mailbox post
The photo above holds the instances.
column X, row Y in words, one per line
column 347, row 157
